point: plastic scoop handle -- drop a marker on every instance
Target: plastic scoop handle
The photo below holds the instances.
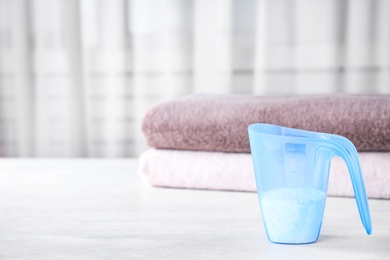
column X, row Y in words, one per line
column 346, row 150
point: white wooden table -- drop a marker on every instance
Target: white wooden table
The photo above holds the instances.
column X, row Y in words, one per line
column 100, row 209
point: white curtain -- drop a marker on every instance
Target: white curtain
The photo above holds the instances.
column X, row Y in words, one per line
column 76, row 76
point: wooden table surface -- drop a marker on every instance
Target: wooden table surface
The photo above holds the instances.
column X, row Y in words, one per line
column 101, row 209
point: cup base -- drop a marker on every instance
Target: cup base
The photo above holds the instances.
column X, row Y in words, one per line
column 289, row 243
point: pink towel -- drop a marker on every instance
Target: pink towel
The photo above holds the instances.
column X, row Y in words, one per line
column 219, row 123
column 234, row 171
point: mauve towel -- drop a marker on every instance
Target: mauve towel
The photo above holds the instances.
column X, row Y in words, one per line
column 219, row 123
column 234, row 171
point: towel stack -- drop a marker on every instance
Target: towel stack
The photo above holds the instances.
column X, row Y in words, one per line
column 201, row 141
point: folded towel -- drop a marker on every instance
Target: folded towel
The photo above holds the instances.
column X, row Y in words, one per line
column 234, row 171
column 219, row 123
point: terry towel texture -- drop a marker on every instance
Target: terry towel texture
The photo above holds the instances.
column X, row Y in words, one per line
column 219, row 123
column 234, row 171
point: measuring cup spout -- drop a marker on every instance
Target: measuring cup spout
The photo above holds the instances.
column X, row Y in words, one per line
column 344, row 148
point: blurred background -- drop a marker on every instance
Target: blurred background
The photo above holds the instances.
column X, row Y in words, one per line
column 76, row 76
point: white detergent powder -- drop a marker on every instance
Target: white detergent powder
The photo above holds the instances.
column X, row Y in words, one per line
column 293, row 215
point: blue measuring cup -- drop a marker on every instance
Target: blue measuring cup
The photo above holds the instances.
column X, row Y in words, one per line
column 292, row 171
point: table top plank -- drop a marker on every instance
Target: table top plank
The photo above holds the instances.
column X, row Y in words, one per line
column 100, row 209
